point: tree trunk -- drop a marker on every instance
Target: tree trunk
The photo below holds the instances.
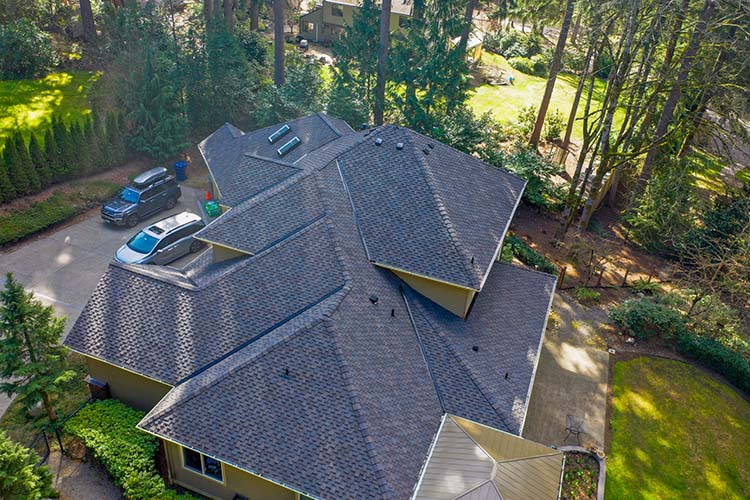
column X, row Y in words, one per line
column 278, row 42
column 208, row 9
column 385, row 33
column 576, row 29
column 577, row 100
column 254, row 14
column 229, row 14
column 48, row 406
column 468, row 24
column 688, row 57
column 217, row 11
column 87, row 20
column 553, row 71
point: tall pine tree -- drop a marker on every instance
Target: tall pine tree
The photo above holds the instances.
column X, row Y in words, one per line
column 78, row 165
column 66, row 147
column 39, row 161
column 7, row 191
column 52, row 155
column 14, row 167
column 27, row 167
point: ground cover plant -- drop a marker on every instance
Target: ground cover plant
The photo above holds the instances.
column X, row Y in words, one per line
column 580, row 478
column 676, row 433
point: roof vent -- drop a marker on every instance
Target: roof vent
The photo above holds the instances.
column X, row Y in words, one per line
column 430, row 145
column 288, row 146
column 374, row 299
column 426, row 151
column 475, row 348
column 279, row 133
column 378, row 141
column 364, row 126
column 400, row 146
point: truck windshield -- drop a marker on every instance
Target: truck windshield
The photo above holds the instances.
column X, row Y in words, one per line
column 130, row 195
column 142, row 243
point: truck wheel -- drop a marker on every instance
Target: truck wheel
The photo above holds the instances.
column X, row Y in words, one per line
column 132, row 220
column 171, row 202
column 195, row 246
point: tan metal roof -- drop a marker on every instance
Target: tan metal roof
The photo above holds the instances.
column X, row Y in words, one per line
column 470, row 461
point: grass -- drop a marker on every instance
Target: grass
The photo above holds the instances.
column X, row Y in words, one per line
column 505, row 102
column 61, row 206
column 29, row 105
column 22, row 429
column 676, row 433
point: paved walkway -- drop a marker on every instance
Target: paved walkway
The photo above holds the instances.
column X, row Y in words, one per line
column 77, row 480
column 571, row 377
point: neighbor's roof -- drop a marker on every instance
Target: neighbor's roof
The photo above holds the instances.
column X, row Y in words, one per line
column 472, row 462
column 308, row 365
column 402, row 7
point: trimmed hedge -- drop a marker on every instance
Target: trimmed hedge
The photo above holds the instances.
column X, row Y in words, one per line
column 108, row 430
column 715, row 356
column 22, row 223
column 523, row 252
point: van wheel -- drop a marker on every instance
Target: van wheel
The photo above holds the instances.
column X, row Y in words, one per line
column 195, row 246
column 132, row 220
column 171, row 202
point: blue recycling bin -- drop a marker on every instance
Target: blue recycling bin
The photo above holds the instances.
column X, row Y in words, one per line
column 180, row 170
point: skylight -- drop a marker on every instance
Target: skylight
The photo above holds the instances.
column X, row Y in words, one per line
column 289, row 146
column 279, row 133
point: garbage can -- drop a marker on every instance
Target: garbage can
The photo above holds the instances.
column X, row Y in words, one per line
column 180, row 170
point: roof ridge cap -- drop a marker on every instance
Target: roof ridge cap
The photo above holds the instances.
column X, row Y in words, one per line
column 444, row 215
column 272, row 160
column 327, row 121
column 552, row 453
column 354, row 400
column 151, row 272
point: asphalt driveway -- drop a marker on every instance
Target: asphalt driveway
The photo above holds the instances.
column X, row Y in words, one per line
column 63, row 268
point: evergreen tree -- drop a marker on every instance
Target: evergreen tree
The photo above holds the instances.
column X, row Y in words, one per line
column 39, row 161
column 159, row 127
column 7, row 191
column 14, row 167
column 26, row 165
column 97, row 143
column 32, row 361
column 78, row 165
column 66, row 147
column 88, row 149
column 52, row 155
column 20, row 478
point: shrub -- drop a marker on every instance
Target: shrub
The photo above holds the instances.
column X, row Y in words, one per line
column 108, row 430
column 513, row 44
column 25, row 50
column 21, row 223
column 20, row 478
column 645, row 287
column 538, row 171
column 553, row 126
column 528, row 255
column 644, row 318
column 712, row 354
column 586, row 295
column 526, row 119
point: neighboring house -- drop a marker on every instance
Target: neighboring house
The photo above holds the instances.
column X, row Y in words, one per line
column 349, row 332
column 326, row 22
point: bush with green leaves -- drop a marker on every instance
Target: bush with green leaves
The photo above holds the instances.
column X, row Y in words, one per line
column 108, row 430
column 645, row 287
column 712, row 354
column 646, row 318
column 554, row 125
column 513, row 44
column 20, row 478
column 523, row 252
column 538, row 171
column 586, row 295
column 25, row 50
column 536, row 65
column 525, row 122
column 18, row 224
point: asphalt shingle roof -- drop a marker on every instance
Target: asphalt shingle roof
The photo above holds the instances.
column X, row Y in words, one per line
column 373, row 365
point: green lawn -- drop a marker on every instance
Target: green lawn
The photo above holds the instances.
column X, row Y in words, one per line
column 29, row 105
column 505, row 102
column 677, row 433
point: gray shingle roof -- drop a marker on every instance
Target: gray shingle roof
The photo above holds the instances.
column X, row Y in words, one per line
column 426, row 208
column 369, row 379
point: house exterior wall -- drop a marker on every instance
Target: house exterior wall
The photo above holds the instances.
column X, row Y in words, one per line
column 132, row 389
column 235, row 482
column 327, row 27
column 224, row 253
column 456, row 300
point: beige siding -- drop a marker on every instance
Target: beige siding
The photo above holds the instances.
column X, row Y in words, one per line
column 224, row 253
column 456, row 300
column 329, row 18
column 235, row 481
column 132, row 389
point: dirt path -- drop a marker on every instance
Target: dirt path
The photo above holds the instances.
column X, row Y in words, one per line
column 79, row 480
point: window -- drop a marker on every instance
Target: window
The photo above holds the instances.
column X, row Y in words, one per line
column 200, row 463
column 154, row 192
column 337, row 10
column 309, row 27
